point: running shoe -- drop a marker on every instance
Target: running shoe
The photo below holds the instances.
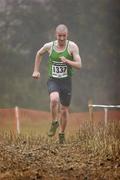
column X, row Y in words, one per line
column 61, row 138
column 53, row 128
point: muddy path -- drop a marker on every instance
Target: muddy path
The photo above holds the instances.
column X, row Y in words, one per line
column 28, row 160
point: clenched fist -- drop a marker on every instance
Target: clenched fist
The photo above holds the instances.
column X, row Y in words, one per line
column 63, row 59
column 36, row 75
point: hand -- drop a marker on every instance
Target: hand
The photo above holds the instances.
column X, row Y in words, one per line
column 36, row 75
column 63, row 59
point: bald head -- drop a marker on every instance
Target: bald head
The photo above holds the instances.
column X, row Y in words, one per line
column 62, row 28
column 61, row 34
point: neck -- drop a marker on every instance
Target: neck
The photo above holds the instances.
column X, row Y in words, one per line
column 61, row 44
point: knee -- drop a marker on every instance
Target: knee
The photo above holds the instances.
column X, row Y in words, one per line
column 64, row 111
column 54, row 99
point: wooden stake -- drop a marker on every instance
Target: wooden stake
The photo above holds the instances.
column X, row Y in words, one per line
column 90, row 110
column 17, row 119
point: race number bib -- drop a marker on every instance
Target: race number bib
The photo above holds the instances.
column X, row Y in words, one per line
column 59, row 70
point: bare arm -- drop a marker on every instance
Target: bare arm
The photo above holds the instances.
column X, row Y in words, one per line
column 76, row 57
column 38, row 58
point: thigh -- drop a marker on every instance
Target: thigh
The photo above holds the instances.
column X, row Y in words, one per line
column 54, row 96
column 65, row 93
column 65, row 98
column 52, row 86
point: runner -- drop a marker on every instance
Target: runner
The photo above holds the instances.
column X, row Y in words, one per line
column 63, row 56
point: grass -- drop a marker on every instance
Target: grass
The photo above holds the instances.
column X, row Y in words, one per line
column 100, row 139
column 91, row 136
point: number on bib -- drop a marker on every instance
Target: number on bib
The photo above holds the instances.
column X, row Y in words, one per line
column 59, row 70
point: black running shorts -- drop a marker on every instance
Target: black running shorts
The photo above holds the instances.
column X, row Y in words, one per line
column 63, row 87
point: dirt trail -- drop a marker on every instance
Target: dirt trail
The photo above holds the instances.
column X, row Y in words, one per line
column 53, row 161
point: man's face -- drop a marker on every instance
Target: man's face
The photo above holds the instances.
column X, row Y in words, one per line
column 61, row 37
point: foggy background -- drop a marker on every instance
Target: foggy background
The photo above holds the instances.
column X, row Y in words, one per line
column 25, row 25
